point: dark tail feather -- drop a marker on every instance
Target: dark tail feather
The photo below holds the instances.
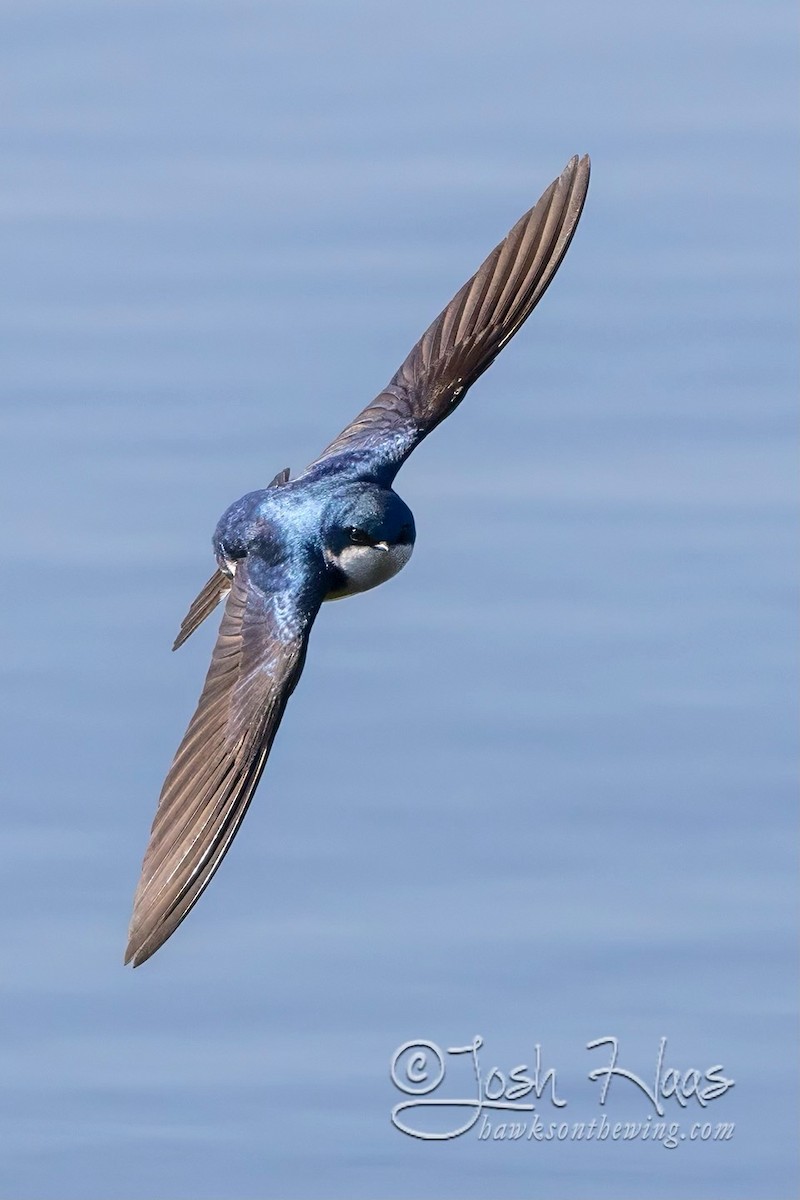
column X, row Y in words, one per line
column 215, row 590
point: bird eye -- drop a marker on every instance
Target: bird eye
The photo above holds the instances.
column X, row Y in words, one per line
column 358, row 536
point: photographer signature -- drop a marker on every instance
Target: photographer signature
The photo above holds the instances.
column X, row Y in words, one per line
column 418, row 1069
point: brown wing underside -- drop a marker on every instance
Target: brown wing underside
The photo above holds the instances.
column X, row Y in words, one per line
column 255, row 666
column 472, row 330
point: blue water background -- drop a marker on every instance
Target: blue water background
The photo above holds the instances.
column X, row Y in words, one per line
column 541, row 786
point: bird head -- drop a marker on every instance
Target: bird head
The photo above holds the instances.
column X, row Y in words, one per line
column 368, row 535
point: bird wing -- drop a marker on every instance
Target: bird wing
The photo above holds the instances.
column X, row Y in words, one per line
column 255, row 666
column 466, row 337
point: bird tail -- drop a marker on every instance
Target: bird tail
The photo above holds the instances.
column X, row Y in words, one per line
column 203, row 605
column 215, row 590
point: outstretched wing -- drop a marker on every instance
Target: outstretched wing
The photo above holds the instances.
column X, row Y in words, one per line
column 255, row 666
column 466, row 338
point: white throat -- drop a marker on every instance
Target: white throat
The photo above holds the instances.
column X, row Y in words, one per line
column 365, row 567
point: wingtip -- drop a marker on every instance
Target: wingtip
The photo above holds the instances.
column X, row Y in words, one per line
column 132, row 949
column 579, row 164
column 137, row 952
column 574, row 180
column 141, row 940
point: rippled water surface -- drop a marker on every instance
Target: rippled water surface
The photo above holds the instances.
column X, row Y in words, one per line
column 539, row 788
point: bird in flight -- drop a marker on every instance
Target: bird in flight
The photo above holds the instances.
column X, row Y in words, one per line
column 337, row 529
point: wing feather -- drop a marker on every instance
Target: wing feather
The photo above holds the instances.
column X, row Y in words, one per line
column 466, row 337
column 255, row 666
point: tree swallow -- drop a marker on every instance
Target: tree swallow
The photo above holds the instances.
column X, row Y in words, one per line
column 335, row 530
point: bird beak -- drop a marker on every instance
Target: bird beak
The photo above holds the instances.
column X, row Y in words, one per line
column 381, row 546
